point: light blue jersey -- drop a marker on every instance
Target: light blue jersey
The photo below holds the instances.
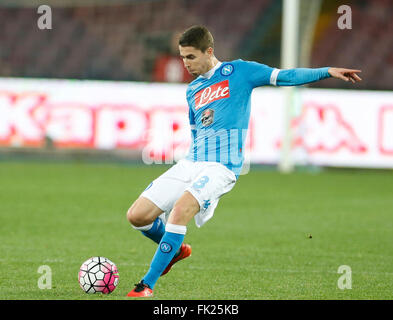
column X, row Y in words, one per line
column 220, row 102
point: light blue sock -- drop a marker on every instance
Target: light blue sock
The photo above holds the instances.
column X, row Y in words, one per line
column 156, row 232
column 168, row 246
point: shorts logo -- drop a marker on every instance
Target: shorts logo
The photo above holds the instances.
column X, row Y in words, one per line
column 206, row 204
column 215, row 92
column 207, row 117
column 165, row 247
column 227, row 70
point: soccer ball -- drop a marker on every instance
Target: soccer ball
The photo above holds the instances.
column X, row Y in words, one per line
column 98, row 274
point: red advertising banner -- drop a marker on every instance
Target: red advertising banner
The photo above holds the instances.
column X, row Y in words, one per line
column 329, row 127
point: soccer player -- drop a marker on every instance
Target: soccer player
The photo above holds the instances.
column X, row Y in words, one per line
column 219, row 112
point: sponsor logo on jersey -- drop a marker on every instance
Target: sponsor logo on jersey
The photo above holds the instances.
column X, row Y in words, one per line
column 215, row 92
column 207, row 117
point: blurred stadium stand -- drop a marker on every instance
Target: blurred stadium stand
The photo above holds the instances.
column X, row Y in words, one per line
column 117, row 42
column 122, row 41
column 368, row 46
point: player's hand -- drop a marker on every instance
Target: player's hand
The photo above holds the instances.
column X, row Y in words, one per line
column 345, row 74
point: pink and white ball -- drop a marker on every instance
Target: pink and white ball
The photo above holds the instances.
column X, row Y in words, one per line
column 98, row 274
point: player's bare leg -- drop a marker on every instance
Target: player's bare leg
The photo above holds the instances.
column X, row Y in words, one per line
column 143, row 212
column 144, row 216
column 183, row 211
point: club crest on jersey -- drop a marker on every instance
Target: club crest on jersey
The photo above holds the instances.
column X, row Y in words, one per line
column 227, row 69
column 207, row 117
column 215, row 92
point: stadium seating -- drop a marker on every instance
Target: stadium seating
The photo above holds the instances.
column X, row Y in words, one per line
column 367, row 46
column 122, row 42
column 114, row 42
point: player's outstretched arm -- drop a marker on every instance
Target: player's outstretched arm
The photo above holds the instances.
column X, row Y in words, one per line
column 300, row 76
column 345, row 74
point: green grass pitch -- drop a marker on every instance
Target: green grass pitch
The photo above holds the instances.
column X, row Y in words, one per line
column 257, row 245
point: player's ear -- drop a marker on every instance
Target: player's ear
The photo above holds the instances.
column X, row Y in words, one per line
column 210, row 51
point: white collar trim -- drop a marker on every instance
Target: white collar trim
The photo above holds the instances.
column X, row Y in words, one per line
column 210, row 73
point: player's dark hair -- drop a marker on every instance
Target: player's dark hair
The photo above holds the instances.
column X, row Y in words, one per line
column 198, row 37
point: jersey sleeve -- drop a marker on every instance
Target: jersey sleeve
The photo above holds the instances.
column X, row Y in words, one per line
column 258, row 74
column 299, row 76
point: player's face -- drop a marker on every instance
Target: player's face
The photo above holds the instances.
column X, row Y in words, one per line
column 195, row 61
